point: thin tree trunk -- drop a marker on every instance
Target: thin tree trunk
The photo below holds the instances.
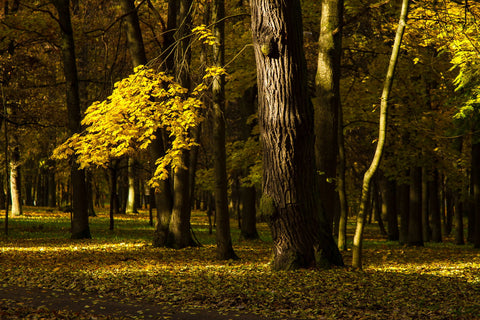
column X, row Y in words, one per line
column 426, row 231
column 80, row 226
column 358, row 238
column 327, row 103
column 377, row 207
column 459, row 238
column 131, row 206
column 415, row 235
column 342, row 193
column 434, row 207
column 223, row 237
column 15, row 181
column 476, row 192
column 390, row 204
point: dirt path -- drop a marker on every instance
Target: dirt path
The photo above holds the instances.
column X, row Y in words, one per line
column 34, row 303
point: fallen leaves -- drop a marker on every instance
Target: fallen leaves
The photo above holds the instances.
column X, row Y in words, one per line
column 438, row 282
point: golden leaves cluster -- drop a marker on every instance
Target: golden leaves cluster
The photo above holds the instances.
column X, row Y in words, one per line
column 127, row 121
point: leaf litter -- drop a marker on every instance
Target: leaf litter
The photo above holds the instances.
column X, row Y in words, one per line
column 434, row 282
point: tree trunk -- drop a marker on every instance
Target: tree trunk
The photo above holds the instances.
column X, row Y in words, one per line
column 249, row 221
column 342, row 193
column 426, row 231
column 223, row 237
column 179, row 228
column 449, row 203
column 358, row 238
column 52, row 186
column 89, row 183
column 377, row 207
column 403, row 201
column 80, row 226
column 476, row 192
column 459, row 238
column 162, row 196
column 434, row 207
column 327, row 104
column 392, row 212
column 131, row 206
column 415, row 236
column 15, row 181
column 300, row 231
column 134, row 33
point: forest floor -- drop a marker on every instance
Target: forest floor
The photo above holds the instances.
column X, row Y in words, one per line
column 118, row 274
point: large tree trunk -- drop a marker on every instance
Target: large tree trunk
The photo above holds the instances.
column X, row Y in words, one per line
column 80, row 226
column 179, row 227
column 300, row 230
column 162, row 197
column 327, row 103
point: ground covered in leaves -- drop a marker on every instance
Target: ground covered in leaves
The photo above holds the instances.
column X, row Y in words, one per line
column 438, row 281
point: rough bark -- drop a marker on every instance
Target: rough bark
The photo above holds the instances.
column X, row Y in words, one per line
column 300, row 231
column 327, row 104
column 358, row 238
column 80, row 226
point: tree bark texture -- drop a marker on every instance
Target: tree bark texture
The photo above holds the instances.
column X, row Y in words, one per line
column 358, row 238
column 134, row 33
column 290, row 191
column 80, row 226
column 327, row 104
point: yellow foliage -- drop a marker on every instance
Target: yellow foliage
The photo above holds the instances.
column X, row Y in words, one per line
column 127, row 120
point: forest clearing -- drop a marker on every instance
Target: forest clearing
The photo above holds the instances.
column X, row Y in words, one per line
column 438, row 281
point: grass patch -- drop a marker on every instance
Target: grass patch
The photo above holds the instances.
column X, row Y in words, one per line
column 438, row 281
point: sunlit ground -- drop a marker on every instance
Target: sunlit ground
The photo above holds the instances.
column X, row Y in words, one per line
column 438, row 281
